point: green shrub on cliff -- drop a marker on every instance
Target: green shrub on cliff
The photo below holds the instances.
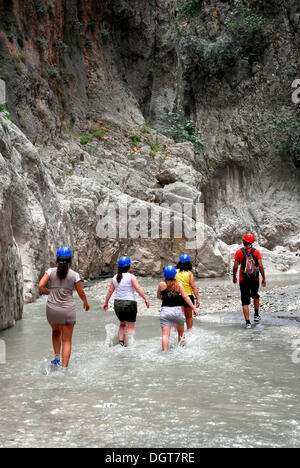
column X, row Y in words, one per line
column 247, row 29
column 205, row 59
column 39, row 6
column 176, row 127
column 189, row 8
column 244, row 37
column 3, row 112
column 60, row 47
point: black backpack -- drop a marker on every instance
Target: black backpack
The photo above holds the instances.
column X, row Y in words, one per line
column 250, row 265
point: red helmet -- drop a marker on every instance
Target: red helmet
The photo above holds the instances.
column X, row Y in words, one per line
column 249, row 238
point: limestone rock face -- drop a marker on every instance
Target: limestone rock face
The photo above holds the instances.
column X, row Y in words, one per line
column 11, row 278
column 106, row 206
column 31, row 219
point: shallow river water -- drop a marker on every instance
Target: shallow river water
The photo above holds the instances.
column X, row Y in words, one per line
column 228, row 387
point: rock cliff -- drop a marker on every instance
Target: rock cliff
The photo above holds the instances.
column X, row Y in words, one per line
column 88, row 84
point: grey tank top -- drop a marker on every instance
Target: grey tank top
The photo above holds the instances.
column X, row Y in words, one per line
column 61, row 291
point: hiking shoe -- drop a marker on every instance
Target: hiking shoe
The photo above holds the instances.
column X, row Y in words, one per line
column 55, row 362
column 257, row 318
column 248, row 326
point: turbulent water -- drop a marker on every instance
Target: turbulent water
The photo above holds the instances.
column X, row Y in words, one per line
column 228, row 387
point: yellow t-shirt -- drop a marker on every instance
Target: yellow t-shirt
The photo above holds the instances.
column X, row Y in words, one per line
column 184, row 278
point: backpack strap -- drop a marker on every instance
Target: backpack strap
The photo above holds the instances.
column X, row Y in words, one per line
column 244, row 258
column 246, row 254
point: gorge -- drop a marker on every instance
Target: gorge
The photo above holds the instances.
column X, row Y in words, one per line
column 150, row 103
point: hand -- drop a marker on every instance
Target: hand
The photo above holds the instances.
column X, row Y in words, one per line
column 235, row 279
column 264, row 283
column 197, row 304
column 195, row 312
column 105, row 307
column 86, row 306
column 147, row 303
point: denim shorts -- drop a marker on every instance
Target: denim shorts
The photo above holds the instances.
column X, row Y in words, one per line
column 171, row 317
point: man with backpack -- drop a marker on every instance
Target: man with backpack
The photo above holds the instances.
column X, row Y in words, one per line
column 250, row 260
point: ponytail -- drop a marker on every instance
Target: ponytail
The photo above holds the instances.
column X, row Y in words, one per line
column 172, row 286
column 122, row 270
column 63, row 264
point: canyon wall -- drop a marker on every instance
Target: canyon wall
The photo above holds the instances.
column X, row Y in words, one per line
column 88, row 83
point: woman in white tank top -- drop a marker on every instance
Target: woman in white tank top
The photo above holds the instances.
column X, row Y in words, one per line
column 125, row 285
column 124, row 289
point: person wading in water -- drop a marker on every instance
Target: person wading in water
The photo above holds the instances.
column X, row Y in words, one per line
column 186, row 278
column 61, row 311
column 250, row 260
column 125, row 284
column 171, row 293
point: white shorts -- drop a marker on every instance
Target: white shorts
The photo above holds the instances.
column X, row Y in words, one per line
column 171, row 317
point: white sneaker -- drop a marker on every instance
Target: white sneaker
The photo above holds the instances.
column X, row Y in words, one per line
column 248, row 325
column 257, row 318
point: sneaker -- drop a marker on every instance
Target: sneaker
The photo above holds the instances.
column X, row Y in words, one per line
column 257, row 318
column 248, row 325
column 55, row 362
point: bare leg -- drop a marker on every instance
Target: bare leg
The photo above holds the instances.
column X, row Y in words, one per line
column 56, row 338
column 166, row 331
column 67, row 333
column 129, row 331
column 256, row 303
column 246, row 312
column 188, row 312
column 121, row 333
column 180, row 331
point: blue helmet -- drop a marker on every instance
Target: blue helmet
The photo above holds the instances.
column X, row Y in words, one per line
column 170, row 272
column 124, row 262
column 64, row 252
column 185, row 258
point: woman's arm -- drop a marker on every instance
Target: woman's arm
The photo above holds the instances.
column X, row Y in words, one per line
column 195, row 289
column 187, row 299
column 82, row 295
column 161, row 287
column 43, row 283
column 139, row 290
column 109, row 294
